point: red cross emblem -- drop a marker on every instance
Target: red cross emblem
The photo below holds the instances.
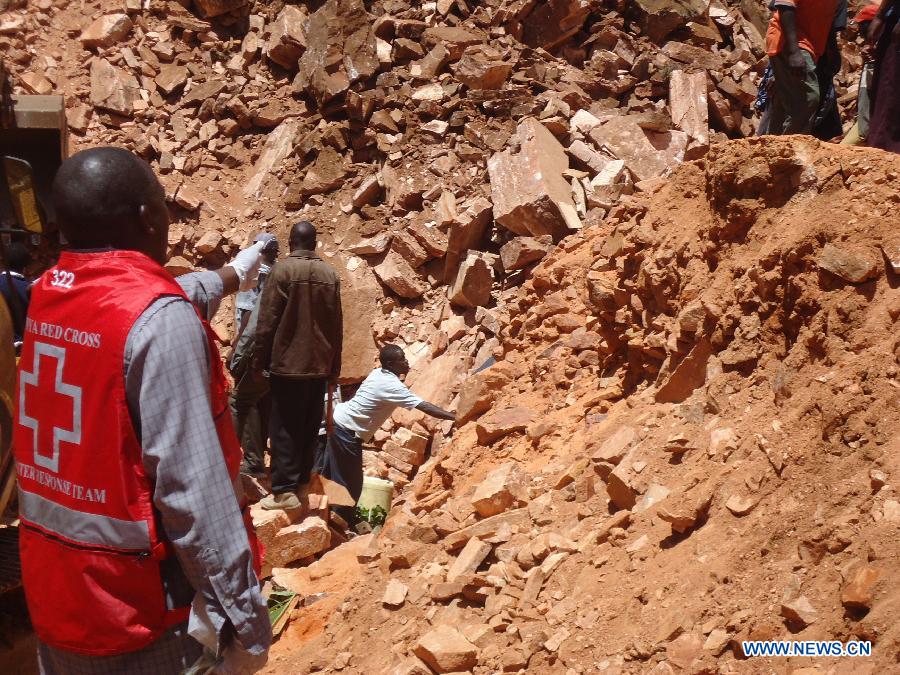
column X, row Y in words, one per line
column 60, row 420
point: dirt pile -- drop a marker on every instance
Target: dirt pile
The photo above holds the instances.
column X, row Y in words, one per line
column 688, row 442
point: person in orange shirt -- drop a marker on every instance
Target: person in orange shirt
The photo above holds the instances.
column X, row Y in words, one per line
column 884, row 125
column 797, row 38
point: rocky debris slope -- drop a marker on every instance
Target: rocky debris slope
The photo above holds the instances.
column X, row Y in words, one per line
column 689, row 441
column 407, row 131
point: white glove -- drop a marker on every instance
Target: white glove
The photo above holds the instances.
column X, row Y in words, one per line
column 246, row 265
column 238, row 661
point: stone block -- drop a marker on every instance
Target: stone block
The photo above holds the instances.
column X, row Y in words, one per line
column 395, row 273
column 446, row 650
column 106, row 31
column 482, row 67
column 343, row 28
column 528, row 189
column 287, row 39
column 689, row 104
column 469, row 559
column 854, row 264
column 299, row 541
column 502, row 422
column 504, row 488
column 113, row 89
column 520, row 252
column 473, row 284
column 395, row 594
column 211, row 8
column 647, row 153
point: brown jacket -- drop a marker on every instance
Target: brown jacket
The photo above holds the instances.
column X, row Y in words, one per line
column 299, row 333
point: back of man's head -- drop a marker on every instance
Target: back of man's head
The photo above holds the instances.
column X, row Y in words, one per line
column 109, row 197
column 17, row 257
column 390, row 354
column 303, row 236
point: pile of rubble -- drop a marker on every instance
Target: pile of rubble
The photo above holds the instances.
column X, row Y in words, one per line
column 689, row 442
column 492, row 182
column 424, row 137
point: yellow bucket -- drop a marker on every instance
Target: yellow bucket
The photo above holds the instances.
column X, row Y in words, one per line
column 376, row 492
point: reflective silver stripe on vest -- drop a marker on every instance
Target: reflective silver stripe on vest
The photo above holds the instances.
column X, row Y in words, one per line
column 81, row 527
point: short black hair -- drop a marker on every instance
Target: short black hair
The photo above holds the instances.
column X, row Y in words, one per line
column 98, row 192
column 17, row 257
column 390, row 353
column 303, row 234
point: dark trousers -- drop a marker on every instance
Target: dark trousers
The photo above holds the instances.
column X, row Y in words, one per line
column 297, row 407
column 342, row 462
column 250, row 406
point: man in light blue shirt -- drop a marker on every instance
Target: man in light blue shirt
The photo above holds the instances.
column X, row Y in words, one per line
column 356, row 420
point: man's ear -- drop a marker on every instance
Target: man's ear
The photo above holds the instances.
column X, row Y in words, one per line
column 145, row 217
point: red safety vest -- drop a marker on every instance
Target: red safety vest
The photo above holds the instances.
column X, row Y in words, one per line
column 91, row 542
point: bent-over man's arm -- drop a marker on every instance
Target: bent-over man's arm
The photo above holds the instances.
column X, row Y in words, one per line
column 435, row 411
column 167, row 384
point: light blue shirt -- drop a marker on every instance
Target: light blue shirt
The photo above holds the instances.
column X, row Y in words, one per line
column 377, row 397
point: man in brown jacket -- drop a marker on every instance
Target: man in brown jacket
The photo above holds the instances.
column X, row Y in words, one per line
column 299, row 335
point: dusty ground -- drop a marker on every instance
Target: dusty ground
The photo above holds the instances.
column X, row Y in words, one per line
column 791, row 414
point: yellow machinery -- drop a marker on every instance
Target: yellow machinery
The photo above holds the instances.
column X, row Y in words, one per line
column 33, row 143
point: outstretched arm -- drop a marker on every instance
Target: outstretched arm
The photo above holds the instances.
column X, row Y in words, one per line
column 434, row 411
column 167, row 383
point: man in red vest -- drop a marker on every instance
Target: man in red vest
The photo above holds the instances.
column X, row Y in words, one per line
column 126, row 458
